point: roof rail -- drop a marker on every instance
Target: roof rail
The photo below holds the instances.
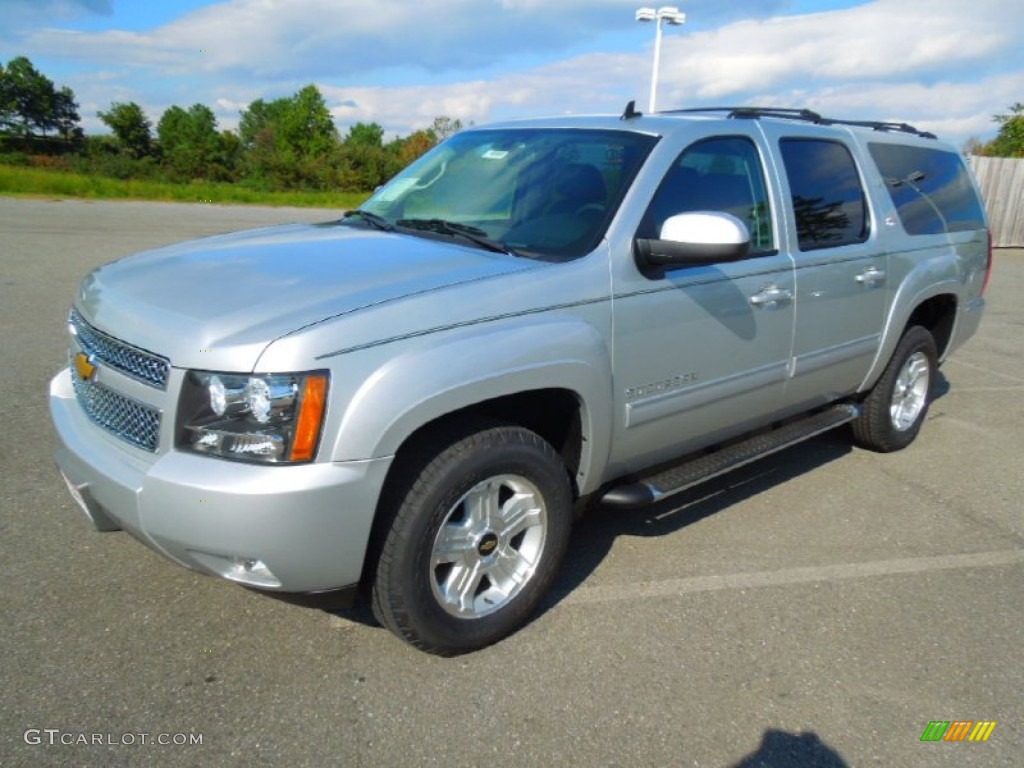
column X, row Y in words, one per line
column 807, row 115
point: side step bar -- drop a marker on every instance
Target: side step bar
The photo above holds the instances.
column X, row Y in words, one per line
column 678, row 478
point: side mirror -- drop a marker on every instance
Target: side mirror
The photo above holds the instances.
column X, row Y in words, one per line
column 691, row 239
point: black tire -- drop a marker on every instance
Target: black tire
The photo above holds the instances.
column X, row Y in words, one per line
column 895, row 409
column 480, row 526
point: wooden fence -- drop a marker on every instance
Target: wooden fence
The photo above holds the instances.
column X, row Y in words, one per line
column 1002, row 186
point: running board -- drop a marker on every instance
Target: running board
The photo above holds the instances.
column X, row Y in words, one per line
column 678, row 478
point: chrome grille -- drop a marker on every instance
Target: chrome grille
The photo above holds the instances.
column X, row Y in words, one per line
column 128, row 419
column 138, row 363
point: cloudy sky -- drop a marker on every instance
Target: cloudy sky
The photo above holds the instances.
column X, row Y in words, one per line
column 944, row 65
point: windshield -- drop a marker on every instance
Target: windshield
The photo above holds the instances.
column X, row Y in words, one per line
column 543, row 193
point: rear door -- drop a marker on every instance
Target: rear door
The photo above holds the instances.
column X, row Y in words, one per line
column 841, row 268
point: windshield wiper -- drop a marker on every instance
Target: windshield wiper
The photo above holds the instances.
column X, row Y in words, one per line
column 455, row 229
column 375, row 221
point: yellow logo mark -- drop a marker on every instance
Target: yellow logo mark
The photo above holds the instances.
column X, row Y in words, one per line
column 85, row 366
column 982, row 731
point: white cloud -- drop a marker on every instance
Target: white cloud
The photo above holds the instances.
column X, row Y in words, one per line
column 560, row 88
column 885, row 39
column 927, row 62
column 347, row 38
column 944, row 64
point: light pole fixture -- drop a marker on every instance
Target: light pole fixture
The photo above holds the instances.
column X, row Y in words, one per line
column 670, row 15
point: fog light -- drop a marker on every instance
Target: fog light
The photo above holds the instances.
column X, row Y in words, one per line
column 250, row 569
column 244, row 570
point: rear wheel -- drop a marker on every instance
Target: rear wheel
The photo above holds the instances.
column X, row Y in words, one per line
column 479, row 534
column 895, row 409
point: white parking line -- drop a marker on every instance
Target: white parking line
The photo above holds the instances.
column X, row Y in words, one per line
column 963, row 390
column 983, row 369
column 677, row 587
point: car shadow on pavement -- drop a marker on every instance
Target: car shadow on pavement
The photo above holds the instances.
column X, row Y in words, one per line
column 594, row 535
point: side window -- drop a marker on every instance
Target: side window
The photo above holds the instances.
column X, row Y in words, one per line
column 930, row 188
column 721, row 174
column 828, row 199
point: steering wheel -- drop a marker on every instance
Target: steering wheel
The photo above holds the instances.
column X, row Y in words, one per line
column 589, row 208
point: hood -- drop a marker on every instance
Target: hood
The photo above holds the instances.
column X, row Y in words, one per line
column 217, row 302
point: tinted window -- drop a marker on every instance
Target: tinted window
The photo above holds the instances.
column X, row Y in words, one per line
column 722, row 174
column 930, row 188
column 828, row 199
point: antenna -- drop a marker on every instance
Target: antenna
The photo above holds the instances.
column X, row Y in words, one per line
column 631, row 112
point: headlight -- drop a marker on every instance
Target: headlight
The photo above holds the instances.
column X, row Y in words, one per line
column 267, row 418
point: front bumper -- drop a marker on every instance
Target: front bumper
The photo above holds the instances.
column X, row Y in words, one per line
column 286, row 529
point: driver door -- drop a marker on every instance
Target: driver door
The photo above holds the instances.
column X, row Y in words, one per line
column 701, row 353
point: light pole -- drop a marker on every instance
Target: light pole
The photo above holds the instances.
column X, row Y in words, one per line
column 668, row 14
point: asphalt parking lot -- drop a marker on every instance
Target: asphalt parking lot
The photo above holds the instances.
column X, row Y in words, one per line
column 818, row 608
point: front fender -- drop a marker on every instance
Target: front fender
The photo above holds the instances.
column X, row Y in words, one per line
column 456, row 370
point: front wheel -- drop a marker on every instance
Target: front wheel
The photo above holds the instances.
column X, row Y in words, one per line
column 479, row 534
column 896, row 407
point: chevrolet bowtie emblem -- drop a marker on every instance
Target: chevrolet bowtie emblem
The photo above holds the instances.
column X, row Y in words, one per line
column 85, row 366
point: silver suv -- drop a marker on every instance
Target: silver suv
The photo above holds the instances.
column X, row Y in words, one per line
column 410, row 403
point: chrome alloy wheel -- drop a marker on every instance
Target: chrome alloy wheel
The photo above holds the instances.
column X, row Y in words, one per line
column 910, row 395
column 488, row 546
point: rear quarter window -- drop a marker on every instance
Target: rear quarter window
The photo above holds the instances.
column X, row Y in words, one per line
column 930, row 188
column 828, row 197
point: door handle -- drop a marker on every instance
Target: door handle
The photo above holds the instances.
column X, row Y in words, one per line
column 871, row 275
column 771, row 296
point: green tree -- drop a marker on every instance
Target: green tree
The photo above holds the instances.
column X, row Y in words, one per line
column 190, row 143
column 365, row 162
column 307, row 123
column 65, row 115
column 365, row 135
column 130, row 125
column 290, row 142
column 31, row 105
column 259, row 119
column 1010, row 140
column 230, row 153
column 7, row 105
column 26, row 98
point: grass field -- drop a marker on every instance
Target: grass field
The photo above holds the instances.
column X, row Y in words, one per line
column 36, row 182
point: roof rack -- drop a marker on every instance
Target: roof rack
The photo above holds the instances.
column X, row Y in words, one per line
column 807, row 115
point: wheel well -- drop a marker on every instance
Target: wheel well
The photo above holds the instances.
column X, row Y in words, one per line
column 937, row 315
column 554, row 414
